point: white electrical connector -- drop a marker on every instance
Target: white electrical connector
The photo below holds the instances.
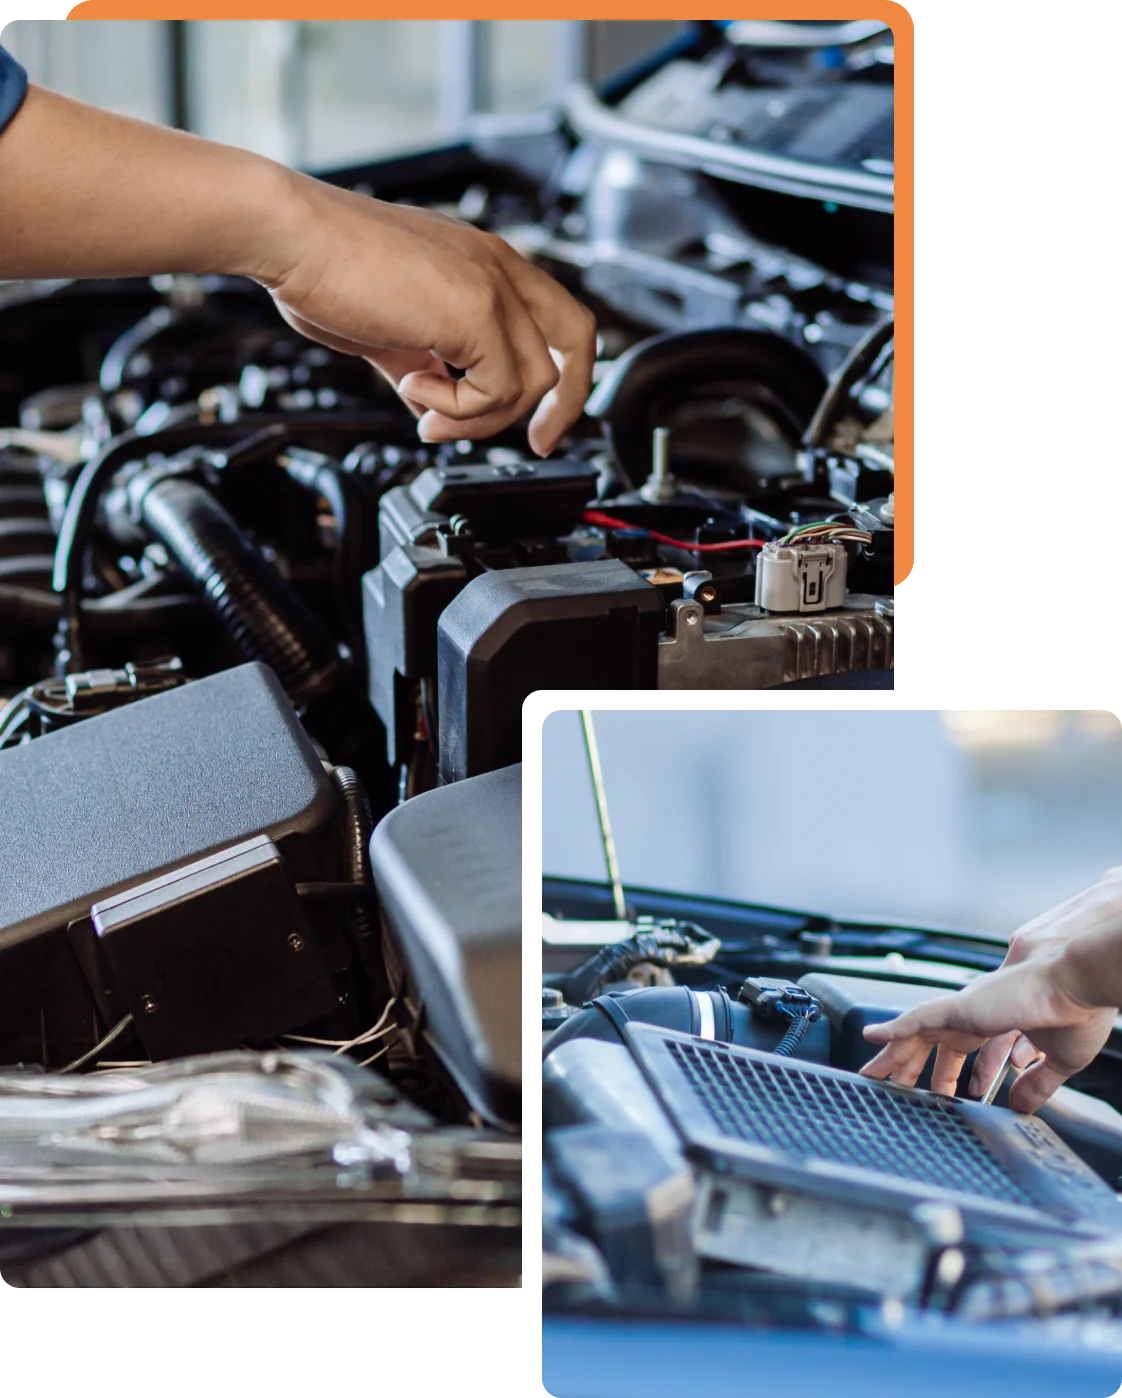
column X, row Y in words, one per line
column 801, row 577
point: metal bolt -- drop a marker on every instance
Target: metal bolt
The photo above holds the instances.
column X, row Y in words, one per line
column 691, row 618
column 295, row 941
column 660, row 486
column 149, row 1004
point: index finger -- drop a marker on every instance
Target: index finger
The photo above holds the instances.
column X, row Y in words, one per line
column 569, row 329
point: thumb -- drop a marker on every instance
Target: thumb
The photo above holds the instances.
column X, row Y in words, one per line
column 397, row 365
column 1035, row 1086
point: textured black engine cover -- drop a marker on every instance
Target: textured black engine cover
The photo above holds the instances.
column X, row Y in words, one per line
column 96, row 808
column 591, row 625
column 448, row 865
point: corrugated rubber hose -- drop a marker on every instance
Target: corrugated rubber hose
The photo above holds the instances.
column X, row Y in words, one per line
column 358, row 825
column 264, row 617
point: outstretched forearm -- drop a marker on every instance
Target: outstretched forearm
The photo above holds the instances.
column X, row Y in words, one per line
column 86, row 193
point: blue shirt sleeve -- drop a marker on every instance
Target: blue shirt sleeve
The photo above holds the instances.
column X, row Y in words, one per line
column 13, row 87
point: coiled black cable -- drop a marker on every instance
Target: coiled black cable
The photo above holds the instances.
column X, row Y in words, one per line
column 266, row 620
column 358, row 826
column 794, row 1036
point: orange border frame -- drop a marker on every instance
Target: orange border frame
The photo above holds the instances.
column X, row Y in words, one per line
column 894, row 15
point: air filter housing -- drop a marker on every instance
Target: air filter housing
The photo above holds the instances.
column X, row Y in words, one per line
column 101, row 807
column 803, row 1163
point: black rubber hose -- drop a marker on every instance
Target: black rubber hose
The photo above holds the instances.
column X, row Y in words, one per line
column 38, row 610
column 860, row 359
column 29, row 569
column 358, row 826
column 22, row 499
column 23, row 535
column 78, row 521
column 652, row 377
column 320, row 475
column 266, row 620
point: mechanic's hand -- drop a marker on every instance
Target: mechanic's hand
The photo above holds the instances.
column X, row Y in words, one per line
column 411, row 290
column 1051, row 1005
column 1096, row 908
column 408, row 289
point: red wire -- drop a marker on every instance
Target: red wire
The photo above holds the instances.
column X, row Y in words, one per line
column 610, row 522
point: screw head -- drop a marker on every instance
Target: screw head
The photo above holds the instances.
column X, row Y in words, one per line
column 149, row 1004
column 691, row 618
column 295, row 941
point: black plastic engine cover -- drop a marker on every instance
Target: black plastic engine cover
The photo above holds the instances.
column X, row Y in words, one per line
column 219, row 952
column 448, row 865
column 97, row 808
column 566, row 626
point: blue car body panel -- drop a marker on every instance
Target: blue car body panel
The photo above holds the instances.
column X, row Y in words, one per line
column 647, row 1359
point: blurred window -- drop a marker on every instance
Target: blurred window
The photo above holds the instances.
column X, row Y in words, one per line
column 123, row 65
column 317, row 93
column 525, row 63
column 971, row 819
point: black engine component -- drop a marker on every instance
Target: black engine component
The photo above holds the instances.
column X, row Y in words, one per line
column 137, row 793
column 448, row 866
column 218, row 952
column 579, row 625
column 499, row 503
column 448, row 526
column 632, row 1201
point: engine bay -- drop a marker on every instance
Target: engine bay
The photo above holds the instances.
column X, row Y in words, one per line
column 264, row 652
column 711, row 1152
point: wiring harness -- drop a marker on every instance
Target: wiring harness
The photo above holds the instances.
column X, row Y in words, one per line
column 782, row 1002
column 656, row 943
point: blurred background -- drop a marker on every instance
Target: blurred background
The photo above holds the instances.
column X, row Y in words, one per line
column 320, row 93
column 974, row 819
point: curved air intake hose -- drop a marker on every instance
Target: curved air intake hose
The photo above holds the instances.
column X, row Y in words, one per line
column 711, row 1014
column 651, row 377
column 260, row 612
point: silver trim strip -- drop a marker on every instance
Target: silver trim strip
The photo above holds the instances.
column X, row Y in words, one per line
column 706, row 1019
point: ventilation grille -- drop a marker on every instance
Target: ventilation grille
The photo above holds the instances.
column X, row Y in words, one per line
column 809, row 1116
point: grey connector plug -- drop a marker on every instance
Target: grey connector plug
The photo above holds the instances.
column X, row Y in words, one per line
column 801, row 577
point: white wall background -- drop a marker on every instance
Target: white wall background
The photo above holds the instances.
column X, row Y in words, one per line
column 979, row 820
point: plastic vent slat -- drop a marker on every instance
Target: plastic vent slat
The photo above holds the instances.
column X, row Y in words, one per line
column 812, row 1117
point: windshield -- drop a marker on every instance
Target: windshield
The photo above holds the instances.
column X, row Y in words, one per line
column 972, row 819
